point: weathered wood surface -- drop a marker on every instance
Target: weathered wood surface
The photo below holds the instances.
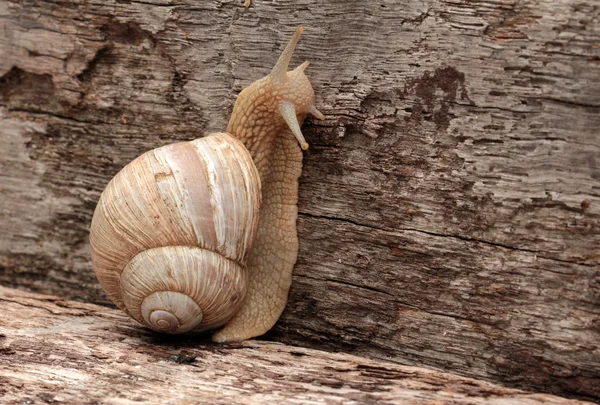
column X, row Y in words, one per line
column 56, row 351
column 450, row 203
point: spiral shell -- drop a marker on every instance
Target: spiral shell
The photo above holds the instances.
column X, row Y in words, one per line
column 172, row 231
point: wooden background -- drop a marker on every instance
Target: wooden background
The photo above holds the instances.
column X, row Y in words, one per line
column 450, row 202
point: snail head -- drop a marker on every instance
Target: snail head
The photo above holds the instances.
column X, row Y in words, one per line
column 296, row 96
column 282, row 98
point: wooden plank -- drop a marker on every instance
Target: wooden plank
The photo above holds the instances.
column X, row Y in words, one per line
column 56, row 351
column 450, row 203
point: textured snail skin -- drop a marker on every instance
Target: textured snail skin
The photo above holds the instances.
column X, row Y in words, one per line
column 180, row 240
column 257, row 121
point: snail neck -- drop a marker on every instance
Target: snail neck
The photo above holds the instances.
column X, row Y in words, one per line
column 256, row 122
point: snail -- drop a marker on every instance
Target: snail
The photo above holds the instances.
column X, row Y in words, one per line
column 197, row 235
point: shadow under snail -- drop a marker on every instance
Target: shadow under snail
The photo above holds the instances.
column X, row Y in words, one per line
column 196, row 235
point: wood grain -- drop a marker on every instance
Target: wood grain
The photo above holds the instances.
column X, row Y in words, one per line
column 449, row 205
column 56, row 351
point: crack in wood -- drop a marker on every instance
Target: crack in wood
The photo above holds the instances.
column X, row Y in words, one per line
column 459, row 237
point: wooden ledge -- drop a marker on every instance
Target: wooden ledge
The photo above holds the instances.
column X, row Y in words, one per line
column 55, row 351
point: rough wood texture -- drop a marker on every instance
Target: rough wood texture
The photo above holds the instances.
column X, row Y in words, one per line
column 449, row 206
column 56, row 351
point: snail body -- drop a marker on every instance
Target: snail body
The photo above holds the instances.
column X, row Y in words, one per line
column 196, row 235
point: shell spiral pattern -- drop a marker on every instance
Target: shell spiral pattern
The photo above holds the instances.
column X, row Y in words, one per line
column 172, row 232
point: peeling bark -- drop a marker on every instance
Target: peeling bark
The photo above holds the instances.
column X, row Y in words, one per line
column 449, row 205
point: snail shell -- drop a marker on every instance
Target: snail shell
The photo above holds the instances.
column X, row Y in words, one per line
column 172, row 232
